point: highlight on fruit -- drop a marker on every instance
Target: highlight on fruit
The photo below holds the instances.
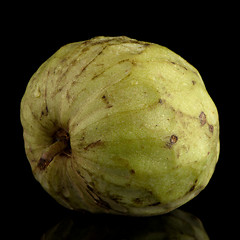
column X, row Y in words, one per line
column 121, row 126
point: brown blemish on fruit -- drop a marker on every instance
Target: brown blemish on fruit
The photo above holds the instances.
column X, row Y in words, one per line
column 68, row 97
column 105, row 99
column 154, row 204
column 96, row 198
column 132, row 171
column 203, row 121
column 44, row 112
column 211, row 128
column 178, row 64
column 94, row 144
column 173, row 139
column 116, row 198
column 160, row 101
column 192, row 187
column 137, row 200
column 202, row 118
column 97, row 75
column 88, row 63
column 43, row 163
column 193, row 82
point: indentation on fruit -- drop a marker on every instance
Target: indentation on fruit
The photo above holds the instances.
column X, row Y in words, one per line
column 59, row 146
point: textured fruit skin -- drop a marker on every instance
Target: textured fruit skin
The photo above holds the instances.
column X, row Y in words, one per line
column 120, row 126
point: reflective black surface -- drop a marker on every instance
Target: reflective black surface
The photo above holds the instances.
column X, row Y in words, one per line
column 175, row 225
column 207, row 40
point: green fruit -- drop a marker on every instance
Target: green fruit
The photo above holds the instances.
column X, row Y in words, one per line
column 120, row 126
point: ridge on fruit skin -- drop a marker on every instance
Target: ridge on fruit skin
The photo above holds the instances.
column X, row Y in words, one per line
column 120, row 126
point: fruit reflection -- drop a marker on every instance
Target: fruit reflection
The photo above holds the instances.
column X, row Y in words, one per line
column 175, row 225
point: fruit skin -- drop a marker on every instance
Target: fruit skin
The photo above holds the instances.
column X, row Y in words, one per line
column 120, row 126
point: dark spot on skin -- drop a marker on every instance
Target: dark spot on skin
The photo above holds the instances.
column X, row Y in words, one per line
column 137, row 201
column 202, row 118
column 85, row 49
column 174, row 63
column 116, row 198
column 154, row 204
column 90, row 188
column 160, row 101
column 134, row 63
column 94, row 41
column 132, row 171
column 98, row 74
column 43, row 163
column 91, row 61
column 193, row 82
column 211, row 128
column 44, row 112
column 146, row 44
column 104, row 98
column 124, row 60
column 193, row 187
column 94, row 144
column 97, row 199
column 102, row 203
column 173, row 139
column 68, row 96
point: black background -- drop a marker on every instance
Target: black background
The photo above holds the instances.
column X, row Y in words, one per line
column 205, row 38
